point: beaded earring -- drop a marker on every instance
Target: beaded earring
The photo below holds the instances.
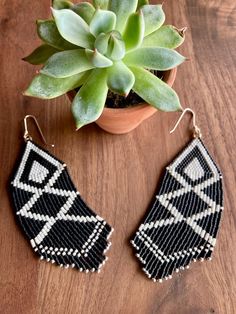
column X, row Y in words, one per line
column 61, row 228
column 183, row 222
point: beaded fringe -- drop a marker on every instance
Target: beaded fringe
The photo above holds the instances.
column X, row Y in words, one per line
column 182, row 224
column 61, row 228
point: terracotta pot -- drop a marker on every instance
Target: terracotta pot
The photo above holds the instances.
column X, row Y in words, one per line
column 124, row 120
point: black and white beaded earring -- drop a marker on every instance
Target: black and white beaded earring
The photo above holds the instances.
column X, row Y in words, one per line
column 61, row 228
column 183, row 222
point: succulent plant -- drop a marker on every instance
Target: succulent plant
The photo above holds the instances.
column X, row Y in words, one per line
column 110, row 44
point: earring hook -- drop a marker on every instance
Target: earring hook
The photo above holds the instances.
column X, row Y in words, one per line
column 27, row 137
column 196, row 129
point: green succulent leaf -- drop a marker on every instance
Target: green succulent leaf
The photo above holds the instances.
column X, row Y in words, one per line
column 166, row 36
column 120, row 78
column 102, row 4
column 46, row 87
column 116, row 46
column 73, row 28
column 134, row 31
column 101, row 43
column 97, row 59
column 67, row 63
column 122, row 9
column 41, row 54
column 154, row 91
column 89, row 102
column 154, row 17
column 48, row 32
column 111, row 45
column 141, row 3
column 61, row 4
column 102, row 22
column 84, row 10
column 154, row 58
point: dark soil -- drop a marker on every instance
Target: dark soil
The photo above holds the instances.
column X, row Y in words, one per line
column 118, row 101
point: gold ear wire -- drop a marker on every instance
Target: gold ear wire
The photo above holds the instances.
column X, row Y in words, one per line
column 196, row 129
column 27, row 137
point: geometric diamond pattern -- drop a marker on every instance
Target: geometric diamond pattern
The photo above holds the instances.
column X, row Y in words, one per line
column 61, row 228
column 183, row 222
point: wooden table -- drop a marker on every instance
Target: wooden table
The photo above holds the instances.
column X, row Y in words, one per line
column 118, row 175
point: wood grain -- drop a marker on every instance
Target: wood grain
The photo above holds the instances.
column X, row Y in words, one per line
column 118, row 175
